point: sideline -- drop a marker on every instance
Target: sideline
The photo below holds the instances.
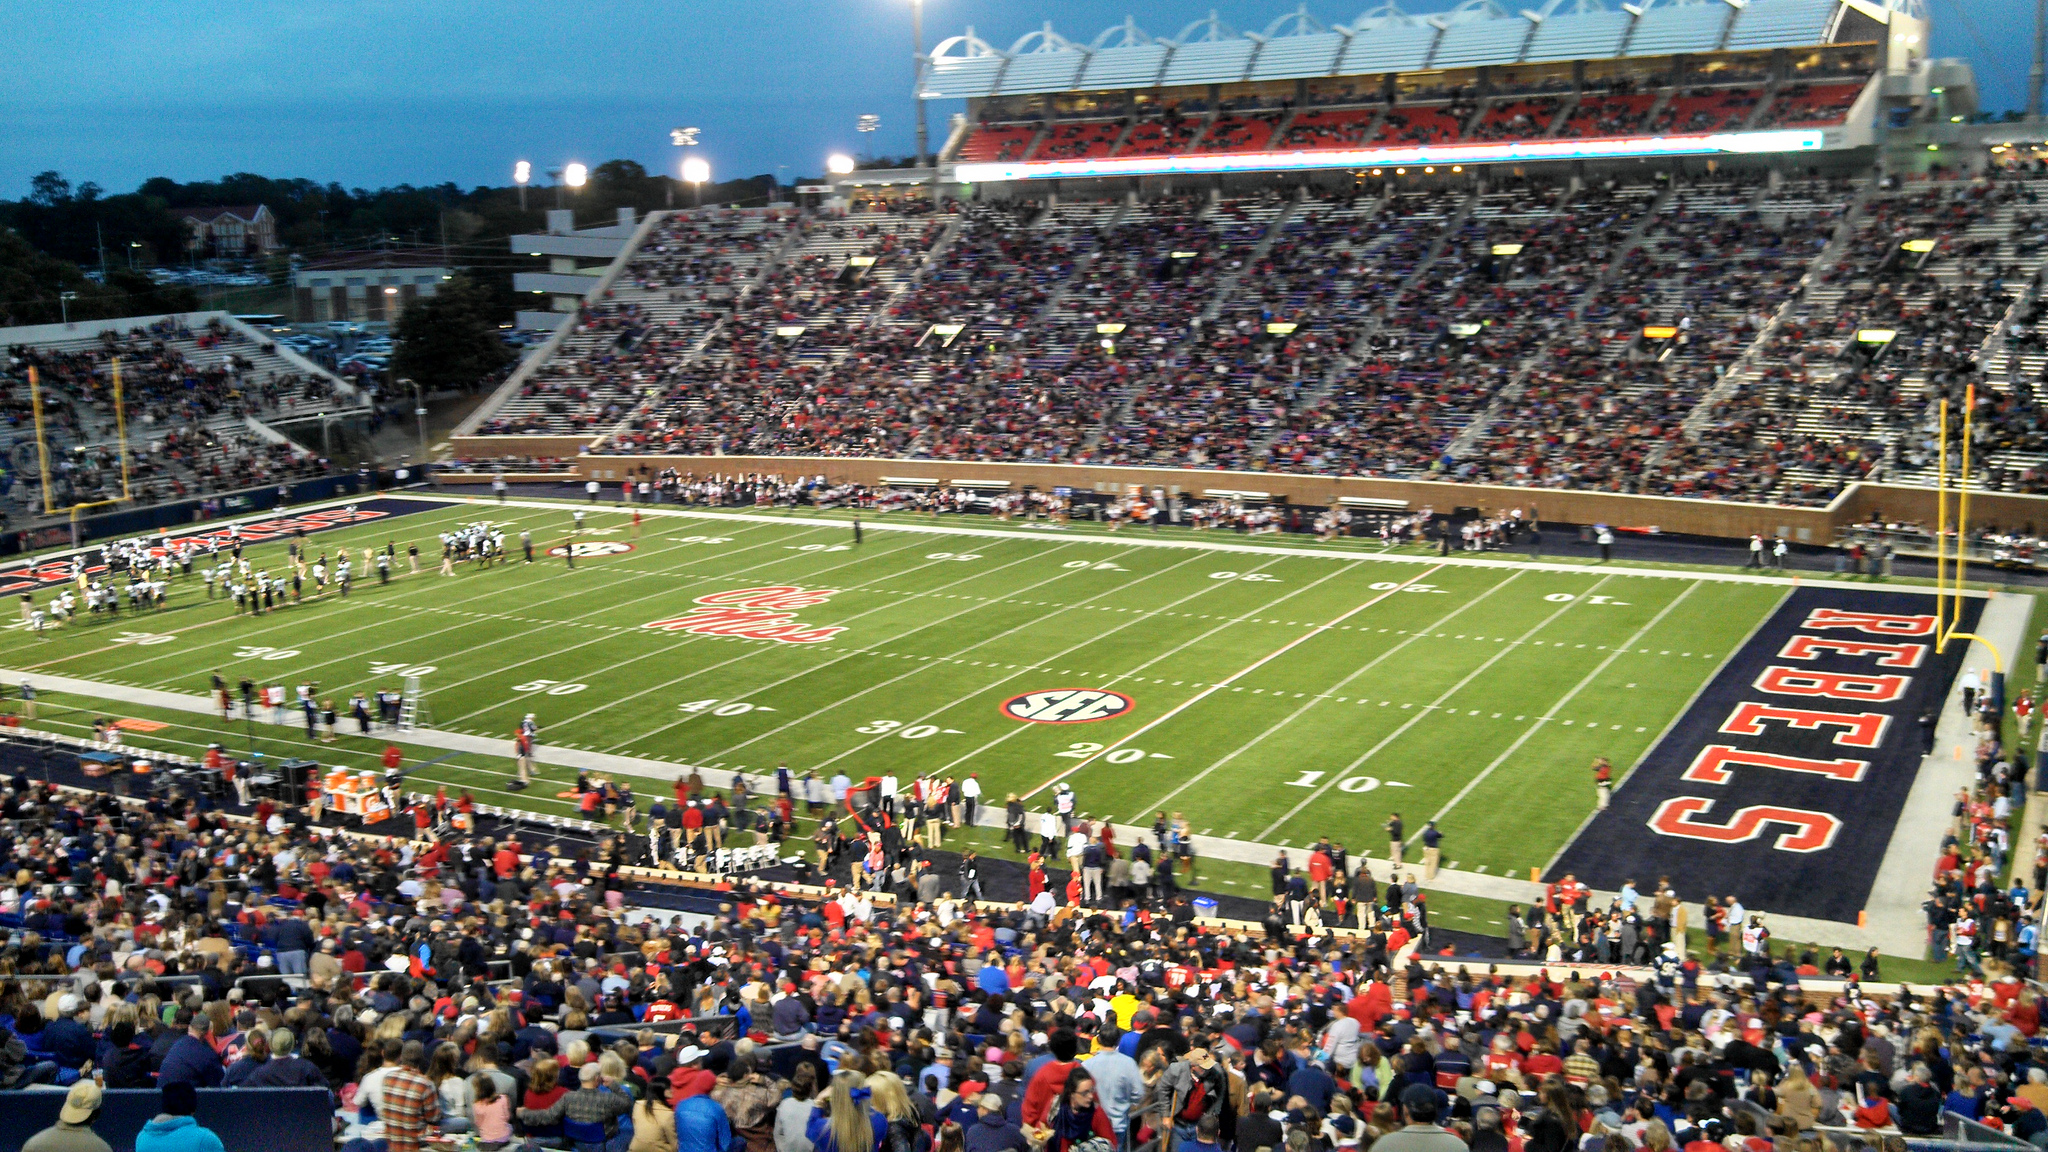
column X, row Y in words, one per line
column 1501, row 889
column 1135, row 539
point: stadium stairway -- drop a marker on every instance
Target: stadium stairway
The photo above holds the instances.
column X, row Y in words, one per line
column 1742, row 371
column 1392, row 209
column 1468, row 441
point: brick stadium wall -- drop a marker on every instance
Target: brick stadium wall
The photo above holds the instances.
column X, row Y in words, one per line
column 1670, row 514
column 493, row 447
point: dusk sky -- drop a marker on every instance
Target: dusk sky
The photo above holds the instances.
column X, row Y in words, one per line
column 377, row 92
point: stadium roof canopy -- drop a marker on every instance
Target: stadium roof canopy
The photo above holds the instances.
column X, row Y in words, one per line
column 1385, row 38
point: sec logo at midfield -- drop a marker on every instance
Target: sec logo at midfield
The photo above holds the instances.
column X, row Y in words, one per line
column 1066, row 705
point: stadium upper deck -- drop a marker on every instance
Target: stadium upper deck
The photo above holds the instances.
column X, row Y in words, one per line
column 1472, row 85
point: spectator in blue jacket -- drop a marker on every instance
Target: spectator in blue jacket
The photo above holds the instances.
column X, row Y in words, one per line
column 992, row 1131
column 701, row 1125
column 192, row 1060
column 174, row 1129
column 69, row 1036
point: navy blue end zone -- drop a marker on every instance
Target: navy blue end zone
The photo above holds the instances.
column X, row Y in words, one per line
column 1782, row 783
column 55, row 568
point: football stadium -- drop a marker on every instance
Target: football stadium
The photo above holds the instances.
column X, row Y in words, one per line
column 1509, row 535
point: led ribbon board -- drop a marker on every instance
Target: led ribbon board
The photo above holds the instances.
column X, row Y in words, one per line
column 1521, row 151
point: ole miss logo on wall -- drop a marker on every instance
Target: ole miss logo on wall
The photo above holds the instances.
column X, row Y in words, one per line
column 1782, row 783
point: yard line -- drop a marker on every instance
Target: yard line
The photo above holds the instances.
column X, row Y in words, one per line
column 1015, row 730
column 609, row 635
column 1296, row 714
column 323, row 607
column 104, row 649
column 816, row 712
column 1220, row 685
column 1430, row 708
column 1563, row 700
column 300, row 669
column 1029, row 556
column 1676, row 716
column 1500, row 560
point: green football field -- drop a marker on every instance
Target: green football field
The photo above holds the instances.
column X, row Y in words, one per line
column 1274, row 693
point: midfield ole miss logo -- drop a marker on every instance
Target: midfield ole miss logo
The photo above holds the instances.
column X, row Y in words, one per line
column 756, row 614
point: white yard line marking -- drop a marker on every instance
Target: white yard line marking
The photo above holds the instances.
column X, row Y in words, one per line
column 1429, row 709
column 298, row 670
column 1676, row 716
column 619, row 630
column 850, row 653
column 814, row 713
column 1227, row 681
column 1163, row 655
column 315, row 608
column 1435, row 562
column 1562, row 701
column 1296, row 714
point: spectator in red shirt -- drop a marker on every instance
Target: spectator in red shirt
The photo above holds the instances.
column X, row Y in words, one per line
column 690, row 1078
column 1051, row 1078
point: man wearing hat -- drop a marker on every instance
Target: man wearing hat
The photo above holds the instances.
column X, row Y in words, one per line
column 73, row 1130
column 1422, row 1104
column 174, row 1129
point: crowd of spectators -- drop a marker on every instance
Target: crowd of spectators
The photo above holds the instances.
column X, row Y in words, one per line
column 503, row 991
column 1369, row 334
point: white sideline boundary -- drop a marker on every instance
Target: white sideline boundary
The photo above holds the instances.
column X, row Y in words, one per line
column 1894, row 926
column 1139, row 538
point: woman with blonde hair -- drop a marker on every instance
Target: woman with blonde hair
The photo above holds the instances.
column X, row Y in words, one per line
column 1798, row 1099
column 843, row 1122
column 890, row 1098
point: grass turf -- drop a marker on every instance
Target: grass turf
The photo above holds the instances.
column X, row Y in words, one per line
column 1275, row 697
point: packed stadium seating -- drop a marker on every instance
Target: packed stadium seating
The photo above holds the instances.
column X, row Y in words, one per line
column 1671, row 335
column 187, row 395
column 657, row 314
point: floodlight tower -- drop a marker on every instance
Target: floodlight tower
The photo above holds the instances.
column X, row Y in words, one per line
column 917, row 73
column 696, row 170
column 681, row 138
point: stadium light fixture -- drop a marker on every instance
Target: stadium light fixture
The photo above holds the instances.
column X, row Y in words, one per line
column 696, row 170
column 575, row 175
column 522, row 172
column 839, row 164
